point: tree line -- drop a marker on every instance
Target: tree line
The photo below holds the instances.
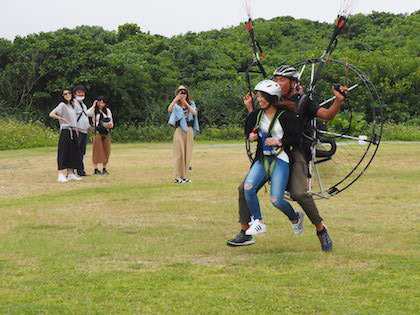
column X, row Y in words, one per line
column 139, row 72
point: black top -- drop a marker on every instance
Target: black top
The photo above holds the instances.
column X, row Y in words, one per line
column 308, row 109
column 290, row 125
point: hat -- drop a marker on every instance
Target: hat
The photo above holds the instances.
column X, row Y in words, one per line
column 181, row 87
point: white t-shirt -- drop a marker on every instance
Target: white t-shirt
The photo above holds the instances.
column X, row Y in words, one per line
column 83, row 123
column 91, row 113
column 277, row 133
column 68, row 113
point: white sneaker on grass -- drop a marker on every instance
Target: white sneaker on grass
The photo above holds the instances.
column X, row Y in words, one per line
column 256, row 227
column 298, row 227
column 62, row 178
column 73, row 176
column 179, row 181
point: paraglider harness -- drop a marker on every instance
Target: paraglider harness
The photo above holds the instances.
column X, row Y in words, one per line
column 311, row 137
column 268, row 165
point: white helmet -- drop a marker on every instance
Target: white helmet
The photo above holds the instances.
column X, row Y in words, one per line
column 287, row 71
column 269, row 87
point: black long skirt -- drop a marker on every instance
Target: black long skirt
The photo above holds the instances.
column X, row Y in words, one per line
column 68, row 150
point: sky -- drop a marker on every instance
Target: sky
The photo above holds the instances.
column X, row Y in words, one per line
column 169, row 17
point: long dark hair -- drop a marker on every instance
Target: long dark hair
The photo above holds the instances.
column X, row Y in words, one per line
column 103, row 99
column 188, row 98
column 62, row 99
column 271, row 99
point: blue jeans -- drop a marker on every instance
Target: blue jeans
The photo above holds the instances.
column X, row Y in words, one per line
column 279, row 178
column 82, row 148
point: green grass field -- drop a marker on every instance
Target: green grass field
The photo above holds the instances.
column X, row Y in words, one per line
column 133, row 242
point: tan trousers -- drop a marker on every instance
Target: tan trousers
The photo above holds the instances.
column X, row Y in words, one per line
column 101, row 149
column 183, row 143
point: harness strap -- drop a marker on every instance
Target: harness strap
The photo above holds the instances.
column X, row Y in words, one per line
column 81, row 114
column 269, row 166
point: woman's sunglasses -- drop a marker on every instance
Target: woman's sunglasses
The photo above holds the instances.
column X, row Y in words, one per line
column 66, row 93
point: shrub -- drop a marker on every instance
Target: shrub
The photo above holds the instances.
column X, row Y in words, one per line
column 401, row 132
column 17, row 135
column 131, row 133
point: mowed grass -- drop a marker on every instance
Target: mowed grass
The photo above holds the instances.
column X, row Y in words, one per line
column 133, row 242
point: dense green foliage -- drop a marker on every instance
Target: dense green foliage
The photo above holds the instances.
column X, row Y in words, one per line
column 139, row 71
column 18, row 135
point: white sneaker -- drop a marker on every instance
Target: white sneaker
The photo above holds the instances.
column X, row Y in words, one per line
column 62, row 178
column 256, row 227
column 73, row 176
column 179, row 181
column 298, row 227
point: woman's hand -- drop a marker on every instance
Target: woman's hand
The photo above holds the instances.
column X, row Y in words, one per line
column 180, row 97
column 63, row 120
column 184, row 101
column 272, row 142
column 176, row 98
column 183, row 98
column 253, row 136
column 248, row 101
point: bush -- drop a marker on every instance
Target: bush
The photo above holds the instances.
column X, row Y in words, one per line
column 130, row 133
column 401, row 132
column 17, row 135
column 348, row 123
column 223, row 133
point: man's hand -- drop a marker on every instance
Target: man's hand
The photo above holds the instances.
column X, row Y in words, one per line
column 340, row 97
column 253, row 136
column 248, row 101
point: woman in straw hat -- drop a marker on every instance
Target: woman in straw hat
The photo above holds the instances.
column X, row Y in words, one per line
column 183, row 116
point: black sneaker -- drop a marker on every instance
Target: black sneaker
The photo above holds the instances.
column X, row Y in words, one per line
column 326, row 242
column 105, row 172
column 97, row 172
column 241, row 240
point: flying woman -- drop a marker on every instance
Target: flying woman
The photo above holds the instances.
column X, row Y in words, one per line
column 68, row 149
column 276, row 130
column 184, row 117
